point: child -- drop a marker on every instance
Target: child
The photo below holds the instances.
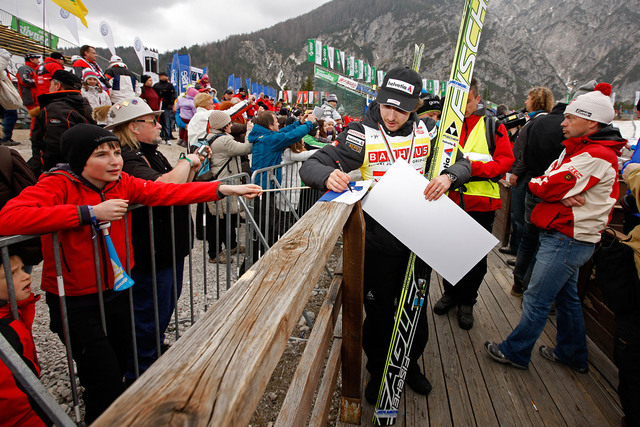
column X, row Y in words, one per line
column 16, row 407
column 69, row 199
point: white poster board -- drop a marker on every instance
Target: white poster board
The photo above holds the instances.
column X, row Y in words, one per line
column 439, row 232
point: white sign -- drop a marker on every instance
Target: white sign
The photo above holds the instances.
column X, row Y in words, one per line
column 439, row 232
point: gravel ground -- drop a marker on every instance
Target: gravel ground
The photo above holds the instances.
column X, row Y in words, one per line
column 52, row 355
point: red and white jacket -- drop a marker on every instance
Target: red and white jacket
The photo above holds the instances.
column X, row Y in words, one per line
column 589, row 167
column 59, row 202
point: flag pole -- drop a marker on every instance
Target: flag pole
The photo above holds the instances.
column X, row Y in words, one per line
column 44, row 33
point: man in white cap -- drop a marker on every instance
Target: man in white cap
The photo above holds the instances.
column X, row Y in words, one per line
column 124, row 84
column 578, row 192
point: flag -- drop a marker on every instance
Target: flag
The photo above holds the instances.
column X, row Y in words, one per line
column 184, row 72
column 74, row 7
column 430, row 86
column 316, row 96
column 260, row 89
column 365, row 74
column 373, row 76
column 443, row 88
column 280, row 95
column 290, row 95
column 305, row 97
column 237, row 84
column 347, row 67
column 311, row 50
column 436, row 87
column 230, row 81
column 325, row 54
column 356, row 71
column 318, row 52
column 330, row 55
column 248, row 85
column 285, row 97
column 361, row 69
column 70, row 22
column 137, row 46
column 338, row 61
column 342, row 61
column 174, row 70
column 299, row 98
column 254, row 88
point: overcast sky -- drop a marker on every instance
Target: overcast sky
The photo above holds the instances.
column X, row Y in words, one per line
column 164, row 24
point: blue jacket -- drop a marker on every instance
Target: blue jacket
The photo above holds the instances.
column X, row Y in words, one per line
column 268, row 146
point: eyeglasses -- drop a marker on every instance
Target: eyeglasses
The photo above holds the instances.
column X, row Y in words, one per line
column 154, row 121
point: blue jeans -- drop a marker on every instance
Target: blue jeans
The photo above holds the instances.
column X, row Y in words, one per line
column 165, row 121
column 9, row 119
column 144, row 312
column 554, row 277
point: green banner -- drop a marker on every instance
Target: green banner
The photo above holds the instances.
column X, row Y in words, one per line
column 373, row 76
column 312, row 50
column 443, row 88
column 430, row 86
column 325, row 75
column 356, row 71
column 339, row 61
column 34, row 33
column 325, row 56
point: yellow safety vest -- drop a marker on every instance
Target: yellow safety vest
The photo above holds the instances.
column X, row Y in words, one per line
column 476, row 149
column 382, row 150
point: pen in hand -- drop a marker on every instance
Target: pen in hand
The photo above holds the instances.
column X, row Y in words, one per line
column 342, row 170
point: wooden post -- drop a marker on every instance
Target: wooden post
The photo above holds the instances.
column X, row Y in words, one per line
column 353, row 269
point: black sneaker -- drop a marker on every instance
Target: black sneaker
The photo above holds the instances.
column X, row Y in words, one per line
column 511, row 262
column 417, row 381
column 495, row 353
column 444, row 304
column 465, row 316
column 372, row 389
column 549, row 354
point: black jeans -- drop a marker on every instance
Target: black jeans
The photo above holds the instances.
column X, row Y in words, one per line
column 101, row 359
column 465, row 292
column 627, row 358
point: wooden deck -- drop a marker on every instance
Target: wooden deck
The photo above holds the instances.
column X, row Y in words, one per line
column 469, row 388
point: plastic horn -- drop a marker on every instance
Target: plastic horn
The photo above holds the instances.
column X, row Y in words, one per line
column 121, row 279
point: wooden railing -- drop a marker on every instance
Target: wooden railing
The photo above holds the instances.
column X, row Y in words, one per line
column 217, row 372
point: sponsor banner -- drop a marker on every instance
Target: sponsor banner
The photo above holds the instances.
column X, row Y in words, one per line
column 342, row 57
column 299, row 98
column 637, row 99
column 311, row 50
column 237, row 84
column 34, row 33
column 356, row 71
column 373, row 76
column 443, row 88
column 351, row 84
column 173, row 74
column 138, row 46
column 310, row 97
column 339, row 61
column 366, row 71
column 325, row 56
column 325, row 75
column 184, row 73
column 330, row 56
column 305, row 97
column 318, row 52
column 348, row 68
column 316, row 96
column 70, row 22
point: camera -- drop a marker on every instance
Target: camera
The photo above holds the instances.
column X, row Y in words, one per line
column 203, row 151
column 512, row 120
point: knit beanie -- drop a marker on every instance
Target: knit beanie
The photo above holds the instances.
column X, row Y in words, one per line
column 88, row 72
column 596, row 105
column 585, row 88
column 219, row 119
column 78, row 142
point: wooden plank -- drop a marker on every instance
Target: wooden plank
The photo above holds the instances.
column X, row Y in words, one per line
column 297, row 403
column 439, row 413
column 322, row 405
column 218, row 371
column 456, row 388
column 353, row 269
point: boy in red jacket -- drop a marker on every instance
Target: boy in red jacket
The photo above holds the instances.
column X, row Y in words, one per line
column 72, row 199
column 16, row 406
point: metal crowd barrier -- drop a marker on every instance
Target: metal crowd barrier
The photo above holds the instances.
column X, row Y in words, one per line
column 281, row 210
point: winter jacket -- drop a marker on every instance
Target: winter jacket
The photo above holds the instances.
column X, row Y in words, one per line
column 186, row 106
column 268, row 146
column 486, row 170
column 519, row 167
column 58, row 112
column 544, row 141
column 124, row 84
column 27, row 84
column 44, row 72
column 16, row 407
column 150, row 95
column 223, row 148
column 588, row 166
column 60, row 201
column 329, row 112
column 167, row 93
column 198, row 125
column 291, row 178
column 96, row 96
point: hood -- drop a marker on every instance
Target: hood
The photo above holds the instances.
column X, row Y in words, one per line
column 372, row 118
column 73, row 97
column 608, row 136
column 65, row 170
column 5, row 309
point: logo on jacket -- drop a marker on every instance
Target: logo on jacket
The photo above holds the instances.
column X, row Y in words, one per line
column 568, row 177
